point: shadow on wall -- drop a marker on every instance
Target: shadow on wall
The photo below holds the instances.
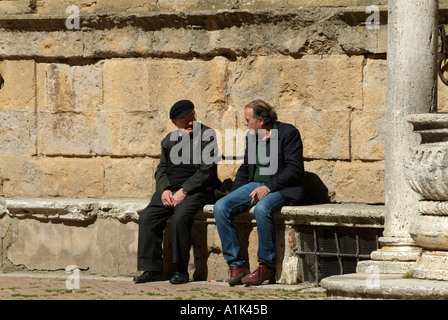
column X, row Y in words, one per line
column 315, row 189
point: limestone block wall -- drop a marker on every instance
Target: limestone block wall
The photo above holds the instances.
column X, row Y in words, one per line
column 83, row 110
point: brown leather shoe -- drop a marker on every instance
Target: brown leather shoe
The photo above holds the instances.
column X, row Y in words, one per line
column 236, row 273
column 260, row 275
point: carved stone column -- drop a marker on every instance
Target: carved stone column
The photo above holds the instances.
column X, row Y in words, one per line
column 411, row 87
column 427, row 174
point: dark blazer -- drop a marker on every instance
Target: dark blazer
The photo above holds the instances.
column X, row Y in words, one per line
column 288, row 176
column 206, row 171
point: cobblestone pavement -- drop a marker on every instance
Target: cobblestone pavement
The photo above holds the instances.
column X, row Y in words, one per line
column 31, row 286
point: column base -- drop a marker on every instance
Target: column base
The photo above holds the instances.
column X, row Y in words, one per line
column 384, row 267
column 432, row 265
column 397, row 256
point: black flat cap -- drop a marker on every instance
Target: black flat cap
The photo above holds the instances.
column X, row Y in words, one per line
column 181, row 108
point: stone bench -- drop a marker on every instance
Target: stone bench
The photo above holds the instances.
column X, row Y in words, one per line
column 100, row 235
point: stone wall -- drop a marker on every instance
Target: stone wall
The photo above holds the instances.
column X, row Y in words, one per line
column 100, row 236
column 83, row 110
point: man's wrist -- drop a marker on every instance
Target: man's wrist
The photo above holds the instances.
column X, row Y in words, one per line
column 184, row 192
column 267, row 188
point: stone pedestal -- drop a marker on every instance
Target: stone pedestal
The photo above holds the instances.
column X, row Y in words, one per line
column 416, row 221
column 427, row 174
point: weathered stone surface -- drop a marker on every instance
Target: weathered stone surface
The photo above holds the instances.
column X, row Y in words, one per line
column 325, row 134
column 202, row 82
column 75, row 210
column 363, row 40
column 107, row 6
column 20, row 177
column 51, row 177
column 63, row 87
column 16, row 7
column 250, row 79
column 374, row 85
column 72, row 178
column 430, row 232
column 203, row 29
column 368, row 285
column 100, row 235
column 336, row 214
column 442, row 96
column 368, row 135
column 332, row 82
column 126, row 85
column 225, row 171
column 359, row 182
column 128, row 133
column 58, row 44
column 432, row 265
column 18, row 92
column 60, row 245
column 411, row 84
column 425, row 171
column 130, row 178
column 117, row 104
column 17, row 133
column 64, row 133
column 83, row 111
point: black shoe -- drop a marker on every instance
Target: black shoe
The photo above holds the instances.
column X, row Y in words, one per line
column 148, row 276
column 179, row 278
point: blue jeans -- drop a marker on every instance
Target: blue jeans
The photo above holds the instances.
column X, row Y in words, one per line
column 238, row 201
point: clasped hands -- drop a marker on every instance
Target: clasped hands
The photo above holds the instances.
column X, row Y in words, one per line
column 171, row 200
column 259, row 193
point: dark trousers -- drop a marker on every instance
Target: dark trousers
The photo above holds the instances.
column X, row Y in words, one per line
column 152, row 223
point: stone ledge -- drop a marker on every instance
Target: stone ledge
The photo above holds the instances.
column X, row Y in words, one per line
column 72, row 209
column 351, row 215
column 192, row 34
column 383, row 286
column 222, row 18
column 330, row 214
column 24, row 9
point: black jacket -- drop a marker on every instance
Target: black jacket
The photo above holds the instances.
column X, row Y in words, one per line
column 288, row 176
column 204, row 175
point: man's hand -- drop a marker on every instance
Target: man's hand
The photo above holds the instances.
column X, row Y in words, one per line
column 167, row 198
column 179, row 196
column 258, row 194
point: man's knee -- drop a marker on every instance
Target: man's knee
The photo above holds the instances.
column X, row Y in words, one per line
column 144, row 217
column 182, row 220
column 219, row 209
column 262, row 211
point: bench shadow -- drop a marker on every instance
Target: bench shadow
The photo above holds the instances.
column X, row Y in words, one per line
column 316, row 191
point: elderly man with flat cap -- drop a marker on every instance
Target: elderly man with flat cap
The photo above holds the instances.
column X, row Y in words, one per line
column 185, row 178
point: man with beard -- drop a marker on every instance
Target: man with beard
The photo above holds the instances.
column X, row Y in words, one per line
column 271, row 176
